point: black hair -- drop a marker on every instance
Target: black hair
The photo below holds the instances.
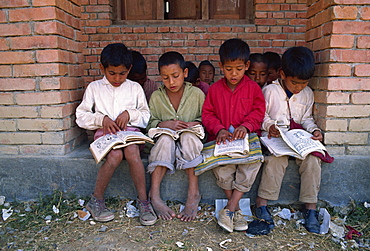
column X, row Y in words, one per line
column 258, row 58
column 206, row 62
column 234, row 49
column 115, row 55
column 139, row 65
column 193, row 72
column 273, row 59
column 298, row 62
column 171, row 57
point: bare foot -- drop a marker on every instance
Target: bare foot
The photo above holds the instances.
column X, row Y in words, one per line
column 191, row 208
column 162, row 210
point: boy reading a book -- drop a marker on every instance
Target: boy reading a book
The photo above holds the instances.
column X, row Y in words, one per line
column 175, row 105
column 258, row 69
column 237, row 102
column 109, row 105
column 289, row 101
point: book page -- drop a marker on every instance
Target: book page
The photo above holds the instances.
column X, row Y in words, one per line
column 278, row 147
column 302, row 142
column 236, row 146
column 156, row 132
column 127, row 136
column 101, row 146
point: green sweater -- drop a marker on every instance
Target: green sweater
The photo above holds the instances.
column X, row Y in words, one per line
column 190, row 108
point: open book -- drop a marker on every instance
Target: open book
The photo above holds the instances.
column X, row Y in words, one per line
column 235, row 148
column 158, row 131
column 296, row 143
column 101, row 146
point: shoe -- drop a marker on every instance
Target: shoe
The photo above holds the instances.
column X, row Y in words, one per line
column 226, row 219
column 146, row 213
column 311, row 221
column 263, row 213
column 240, row 223
column 98, row 210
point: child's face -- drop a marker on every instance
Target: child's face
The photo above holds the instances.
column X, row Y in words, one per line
column 206, row 73
column 273, row 75
column 234, row 71
column 137, row 77
column 293, row 84
column 116, row 75
column 258, row 73
column 173, row 77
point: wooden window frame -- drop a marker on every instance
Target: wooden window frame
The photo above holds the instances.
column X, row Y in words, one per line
column 205, row 15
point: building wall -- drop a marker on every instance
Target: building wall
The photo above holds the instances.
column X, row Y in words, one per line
column 339, row 33
column 50, row 49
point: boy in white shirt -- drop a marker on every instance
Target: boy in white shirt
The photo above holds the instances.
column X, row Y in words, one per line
column 114, row 104
column 289, row 100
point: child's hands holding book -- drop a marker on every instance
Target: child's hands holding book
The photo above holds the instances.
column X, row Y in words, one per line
column 239, row 133
column 273, row 132
column 109, row 126
column 122, row 120
column 317, row 135
column 222, row 136
column 173, row 124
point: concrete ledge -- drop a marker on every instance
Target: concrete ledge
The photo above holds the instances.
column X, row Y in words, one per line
column 24, row 178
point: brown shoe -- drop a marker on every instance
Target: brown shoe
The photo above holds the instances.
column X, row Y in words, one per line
column 240, row 223
column 98, row 210
column 226, row 219
column 146, row 213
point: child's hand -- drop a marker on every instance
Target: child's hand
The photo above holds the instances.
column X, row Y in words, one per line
column 174, row 124
column 240, row 132
column 317, row 135
column 273, row 132
column 109, row 126
column 191, row 124
column 222, row 136
column 122, row 120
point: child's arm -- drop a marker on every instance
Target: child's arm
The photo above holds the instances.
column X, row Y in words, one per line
column 85, row 117
column 139, row 116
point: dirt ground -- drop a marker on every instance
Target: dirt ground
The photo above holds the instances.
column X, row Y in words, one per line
column 65, row 231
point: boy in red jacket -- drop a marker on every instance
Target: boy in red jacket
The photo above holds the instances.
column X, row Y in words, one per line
column 237, row 102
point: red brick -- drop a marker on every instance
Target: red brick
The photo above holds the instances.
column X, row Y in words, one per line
column 98, row 23
column 2, row 16
column 341, row 41
column 352, row 56
column 41, row 98
column 265, row 22
column 19, row 29
column 97, row 8
column 365, row 13
column 54, row 28
column 35, row 42
column 45, row 13
column 350, row 27
column 16, row 57
column 14, row 3
column 267, row 7
column 344, row 12
column 362, row 70
column 350, row 2
column 5, row 71
column 39, row 70
column 333, row 70
column 363, row 42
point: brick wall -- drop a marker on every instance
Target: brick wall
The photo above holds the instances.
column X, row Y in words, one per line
column 338, row 31
column 50, row 49
column 279, row 24
column 40, row 69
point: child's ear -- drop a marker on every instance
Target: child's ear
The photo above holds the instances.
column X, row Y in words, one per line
column 186, row 71
column 101, row 67
column 282, row 74
column 247, row 64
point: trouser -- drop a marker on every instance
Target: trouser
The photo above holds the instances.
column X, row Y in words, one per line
column 273, row 172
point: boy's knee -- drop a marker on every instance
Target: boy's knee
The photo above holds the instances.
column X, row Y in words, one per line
column 115, row 155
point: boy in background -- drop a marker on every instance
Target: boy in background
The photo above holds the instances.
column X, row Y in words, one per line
column 138, row 74
column 175, row 105
column 129, row 111
column 193, row 77
column 258, row 70
column 237, row 102
column 289, row 100
column 274, row 65
column 206, row 72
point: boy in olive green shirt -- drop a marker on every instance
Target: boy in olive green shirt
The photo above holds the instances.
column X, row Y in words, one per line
column 175, row 105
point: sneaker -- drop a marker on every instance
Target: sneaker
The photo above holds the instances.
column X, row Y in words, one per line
column 240, row 223
column 311, row 221
column 98, row 210
column 226, row 219
column 263, row 213
column 146, row 213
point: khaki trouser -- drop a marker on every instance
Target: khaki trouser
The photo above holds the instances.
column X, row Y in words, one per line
column 273, row 172
column 240, row 177
column 185, row 152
